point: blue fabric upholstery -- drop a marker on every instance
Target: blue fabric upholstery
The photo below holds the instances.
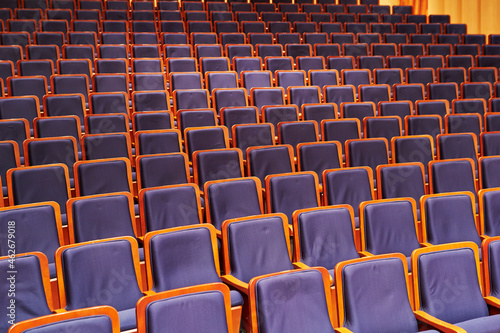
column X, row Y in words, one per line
column 291, row 192
column 229, row 97
column 341, row 130
column 494, row 268
column 390, row 76
column 102, row 217
column 465, row 123
column 443, row 91
column 304, row 95
column 236, row 298
column 406, row 92
column 196, row 118
column 452, row 176
column 111, row 83
column 458, row 145
column 491, row 213
column 170, row 207
column 110, row 123
column 216, row 165
column 390, row 227
column 145, row 121
column 326, row 237
column 159, row 142
column 109, row 103
column 30, row 301
column 205, row 138
column 348, row 186
column 276, row 114
column 13, row 130
column 268, row 161
column 319, row 157
column 7, row 160
column 278, row 63
column 259, row 78
column 160, row 170
column 149, row 81
column 319, row 112
column 74, row 84
column 19, row 107
column 184, row 258
column 103, row 177
column 106, row 146
column 59, row 150
column 402, row 181
column 196, row 312
column 420, row 75
column 146, row 65
column 40, row 184
column 253, row 135
column 302, row 305
column 127, row 319
column 376, row 297
column 232, row 199
column 239, row 115
column 189, row 80
column 429, row 125
column 257, row 247
column 432, row 107
column 411, row 149
column 450, row 219
column 491, row 143
column 182, row 64
column 221, row 79
column 59, row 126
column 489, row 172
column 358, row 110
column 374, row 93
column 379, row 127
column 481, row 325
column 492, row 120
column 96, row 323
column 99, row 274
column 37, row 225
column 214, row 64
column 267, row 96
column 296, row 132
column 368, row 153
column 151, row 101
column 449, row 286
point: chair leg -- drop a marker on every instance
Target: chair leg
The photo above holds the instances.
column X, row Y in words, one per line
column 143, row 275
column 335, row 312
column 236, row 315
column 246, row 318
column 55, row 294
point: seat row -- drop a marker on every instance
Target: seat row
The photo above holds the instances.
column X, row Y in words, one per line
column 186, row 5
column 266, row 234
column 208, row 58
column 209, row 6
column 314, row 13
column 154, row 133
column 251, row 33
column 321, row 175
column 24, row 32
column 247, row 26
column 223, row 91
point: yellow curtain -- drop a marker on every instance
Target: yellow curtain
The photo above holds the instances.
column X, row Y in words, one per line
column 419, row 6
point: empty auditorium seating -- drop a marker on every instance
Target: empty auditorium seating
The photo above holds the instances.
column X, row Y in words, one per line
column 320, row 120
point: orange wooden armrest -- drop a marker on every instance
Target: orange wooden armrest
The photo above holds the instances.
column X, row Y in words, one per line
column 439, row 324
column 234, row 282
